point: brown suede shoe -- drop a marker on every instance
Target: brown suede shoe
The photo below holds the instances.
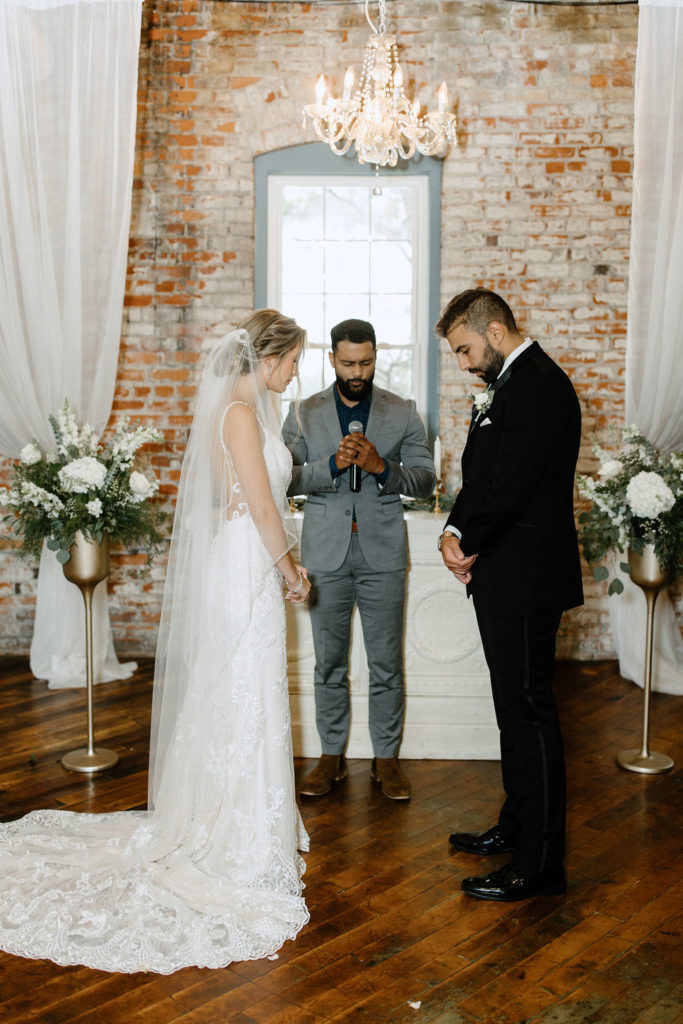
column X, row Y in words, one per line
column 330, row 768
column 393, row 782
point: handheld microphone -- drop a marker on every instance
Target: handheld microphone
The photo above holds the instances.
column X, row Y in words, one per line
column 355, row 427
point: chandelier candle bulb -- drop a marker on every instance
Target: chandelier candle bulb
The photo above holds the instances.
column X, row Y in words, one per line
column 437, row 456
column 349, row 79
column 442, row 93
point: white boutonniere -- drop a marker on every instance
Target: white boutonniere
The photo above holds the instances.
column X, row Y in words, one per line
column 482, row 401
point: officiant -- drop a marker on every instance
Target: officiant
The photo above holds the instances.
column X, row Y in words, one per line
column 357, row 450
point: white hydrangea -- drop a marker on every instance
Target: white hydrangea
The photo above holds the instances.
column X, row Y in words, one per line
column 82, row 475
column 30, row 454
column 649, row 495
column 94, row 507
column 610, row 469
column 141, row 487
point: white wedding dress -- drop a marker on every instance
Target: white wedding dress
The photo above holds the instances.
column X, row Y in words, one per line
column 213, row 873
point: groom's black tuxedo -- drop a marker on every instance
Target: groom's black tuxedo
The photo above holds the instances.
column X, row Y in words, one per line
column 515, row 510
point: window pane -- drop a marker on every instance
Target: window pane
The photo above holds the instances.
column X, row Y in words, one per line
column 395, row 370
column 392, row 213
column 345, row 307
column 302, row 267
column 302, row 212
column 308, row 311
column 347, row 213
column 347, row 267
column 391, row 267
column 392, row 317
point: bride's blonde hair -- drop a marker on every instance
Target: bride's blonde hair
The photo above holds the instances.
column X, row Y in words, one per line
column 272, row 333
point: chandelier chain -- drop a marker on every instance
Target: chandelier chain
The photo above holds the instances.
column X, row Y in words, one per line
column 381, row 30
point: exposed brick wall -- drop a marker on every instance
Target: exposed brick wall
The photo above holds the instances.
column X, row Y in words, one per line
column 536, row 205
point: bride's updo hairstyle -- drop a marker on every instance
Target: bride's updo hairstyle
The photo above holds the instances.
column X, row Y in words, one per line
column 272, row 334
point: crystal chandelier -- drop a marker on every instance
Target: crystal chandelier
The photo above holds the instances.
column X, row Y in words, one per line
column 378, row 118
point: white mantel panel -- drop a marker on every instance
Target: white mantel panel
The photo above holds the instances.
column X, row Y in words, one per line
column 449, row 709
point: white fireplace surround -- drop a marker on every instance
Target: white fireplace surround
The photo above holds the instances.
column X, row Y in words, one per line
column 449, row 709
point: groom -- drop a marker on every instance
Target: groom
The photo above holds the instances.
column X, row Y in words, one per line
column 511, row 539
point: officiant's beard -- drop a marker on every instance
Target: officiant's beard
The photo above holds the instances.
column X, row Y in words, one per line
column 491, row 363
column 355, row 390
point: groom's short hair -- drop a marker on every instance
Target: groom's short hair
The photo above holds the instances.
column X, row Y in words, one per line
column 357, row 331
column 476, row 308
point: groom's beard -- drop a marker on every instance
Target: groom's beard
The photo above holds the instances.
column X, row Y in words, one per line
column 355, row 390
column 491, row 364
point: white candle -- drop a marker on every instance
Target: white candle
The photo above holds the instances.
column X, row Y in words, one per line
column 437, row 456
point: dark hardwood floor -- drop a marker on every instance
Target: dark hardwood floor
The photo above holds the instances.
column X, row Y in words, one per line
column 392, row 940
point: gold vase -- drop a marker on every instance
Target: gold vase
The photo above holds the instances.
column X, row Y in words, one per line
column 88, row 566
column 646, row 573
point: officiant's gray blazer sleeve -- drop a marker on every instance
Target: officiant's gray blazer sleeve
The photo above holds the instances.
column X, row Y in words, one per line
column 307, row 477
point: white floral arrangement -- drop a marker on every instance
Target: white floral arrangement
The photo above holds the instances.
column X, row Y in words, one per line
column 79, row 485
column 637, row 500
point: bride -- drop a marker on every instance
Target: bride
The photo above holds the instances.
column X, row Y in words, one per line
column 211, row 873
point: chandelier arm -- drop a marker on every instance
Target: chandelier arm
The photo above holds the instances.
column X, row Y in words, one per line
column 367, row 15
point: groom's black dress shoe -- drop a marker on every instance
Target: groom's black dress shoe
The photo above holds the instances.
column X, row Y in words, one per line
column 510, row 883
column 486, row 844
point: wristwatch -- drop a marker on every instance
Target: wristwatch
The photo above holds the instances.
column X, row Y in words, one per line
column 446, row 533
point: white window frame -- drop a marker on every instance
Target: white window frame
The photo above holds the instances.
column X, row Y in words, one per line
column 421, row 269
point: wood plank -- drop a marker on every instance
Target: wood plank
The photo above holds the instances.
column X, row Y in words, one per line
column 389, row 924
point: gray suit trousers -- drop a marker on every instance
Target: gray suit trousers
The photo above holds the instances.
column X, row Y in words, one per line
column 380, row 597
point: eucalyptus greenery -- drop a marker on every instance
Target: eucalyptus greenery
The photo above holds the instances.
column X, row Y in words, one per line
column 79, row 485
column 637, row 500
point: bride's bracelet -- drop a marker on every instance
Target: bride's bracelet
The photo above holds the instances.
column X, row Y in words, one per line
column 296, row 590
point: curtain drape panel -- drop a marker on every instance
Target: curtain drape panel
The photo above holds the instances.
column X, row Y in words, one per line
column 68, row 91
column 654, row 349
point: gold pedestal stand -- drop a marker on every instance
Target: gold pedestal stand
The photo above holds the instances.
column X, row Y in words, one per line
column 646, row 573
column 88, row 566
column 437, row 504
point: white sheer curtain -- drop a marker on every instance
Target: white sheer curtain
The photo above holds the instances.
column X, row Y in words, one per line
column 654, row 350
column 68, row 89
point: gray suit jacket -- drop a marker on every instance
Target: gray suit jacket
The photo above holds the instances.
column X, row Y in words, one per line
column 397, row 432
